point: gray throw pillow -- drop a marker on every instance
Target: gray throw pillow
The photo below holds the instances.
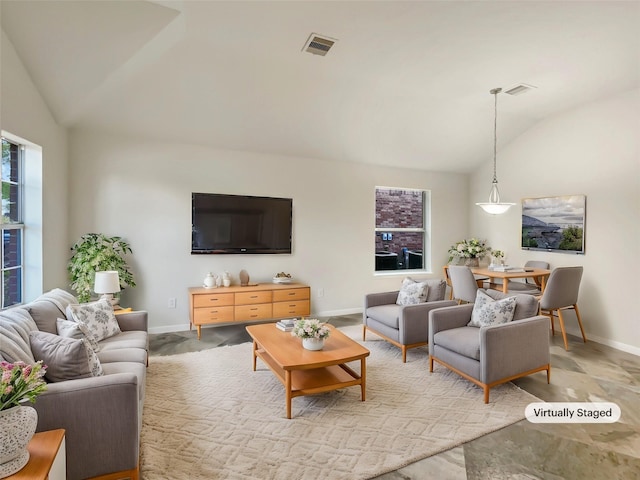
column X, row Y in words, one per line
column 487, row 311
column 65, row 358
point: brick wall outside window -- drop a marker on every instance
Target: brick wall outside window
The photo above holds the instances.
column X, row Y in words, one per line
column 398, row 208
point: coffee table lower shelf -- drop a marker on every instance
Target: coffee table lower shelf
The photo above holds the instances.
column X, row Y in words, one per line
column 309, row 381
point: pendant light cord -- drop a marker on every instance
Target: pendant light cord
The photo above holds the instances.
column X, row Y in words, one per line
column 495, row 93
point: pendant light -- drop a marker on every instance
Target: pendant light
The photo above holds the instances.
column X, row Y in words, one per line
column 494, row 206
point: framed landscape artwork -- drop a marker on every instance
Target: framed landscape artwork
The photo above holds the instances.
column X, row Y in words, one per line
column 554, row 224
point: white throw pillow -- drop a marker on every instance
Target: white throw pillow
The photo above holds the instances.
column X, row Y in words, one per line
column 97, row 316
column 487, row 311
column 78, row 330
column 412, row 292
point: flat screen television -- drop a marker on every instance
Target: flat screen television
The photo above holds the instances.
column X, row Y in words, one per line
column 240, row 224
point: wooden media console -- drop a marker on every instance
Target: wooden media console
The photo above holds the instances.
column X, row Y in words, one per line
column 264, row 301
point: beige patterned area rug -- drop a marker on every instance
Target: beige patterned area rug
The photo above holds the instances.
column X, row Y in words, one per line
column 207, row 415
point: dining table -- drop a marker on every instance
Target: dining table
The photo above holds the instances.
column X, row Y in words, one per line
column 539, row 275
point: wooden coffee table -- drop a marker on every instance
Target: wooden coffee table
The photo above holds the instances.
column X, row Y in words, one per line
column 306, row 372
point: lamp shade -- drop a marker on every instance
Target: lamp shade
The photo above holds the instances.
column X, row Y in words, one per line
column 107, row 282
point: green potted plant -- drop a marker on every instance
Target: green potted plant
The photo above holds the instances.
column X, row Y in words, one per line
column 96, row 252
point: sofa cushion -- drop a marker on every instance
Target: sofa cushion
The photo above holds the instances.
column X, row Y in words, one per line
column 71, row 329
column 97, row 316
column 66, row 358
column 60, row 298
column 526, row 305
column 412, row 292
column 386, row 314
column 15, row 325
column 128, row 339
column 45, row 313
column 137, row 355
column 463, row 340
column 487, row 311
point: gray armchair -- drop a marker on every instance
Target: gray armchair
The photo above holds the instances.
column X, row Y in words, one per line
column 405, row 326
column 492, row 355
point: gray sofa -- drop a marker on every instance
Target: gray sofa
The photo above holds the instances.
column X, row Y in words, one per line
column 102, row 415
column 490, row 355
column 405, row 326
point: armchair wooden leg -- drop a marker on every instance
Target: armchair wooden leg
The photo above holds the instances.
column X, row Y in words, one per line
column 548, row 374
column 364, row 333
column 404, row 354
column 430, row 364
column 486, row 393
column 584, row 337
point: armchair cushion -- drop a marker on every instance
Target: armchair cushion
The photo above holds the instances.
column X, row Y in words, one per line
column 487, row 311
column 412, row 292
column 386, row 314
column 463, row 340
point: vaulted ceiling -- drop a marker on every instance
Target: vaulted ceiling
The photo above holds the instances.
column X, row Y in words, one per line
column 406, row 83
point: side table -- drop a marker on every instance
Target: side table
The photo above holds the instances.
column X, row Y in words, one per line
column 47, row 458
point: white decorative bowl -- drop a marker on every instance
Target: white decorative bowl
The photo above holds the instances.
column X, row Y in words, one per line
column 281, row 280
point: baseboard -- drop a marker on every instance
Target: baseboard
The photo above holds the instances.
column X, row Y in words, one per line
column 613, row 344
column 169, row 328
column 623, row 347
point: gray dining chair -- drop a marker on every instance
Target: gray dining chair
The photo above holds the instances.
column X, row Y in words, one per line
column 561, row 293
column 463, row 284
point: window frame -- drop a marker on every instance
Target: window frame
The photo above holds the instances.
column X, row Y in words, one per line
column 20, row 225
column 425, row 230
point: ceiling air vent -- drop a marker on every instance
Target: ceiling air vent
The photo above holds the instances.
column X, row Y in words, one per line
column 519, row 89
column 318, row 45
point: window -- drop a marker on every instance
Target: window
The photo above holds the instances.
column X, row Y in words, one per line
column 401, row 229
column 12, row 224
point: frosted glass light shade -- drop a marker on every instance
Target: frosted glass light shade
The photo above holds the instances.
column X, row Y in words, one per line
column 107, row 282
column 494, row 206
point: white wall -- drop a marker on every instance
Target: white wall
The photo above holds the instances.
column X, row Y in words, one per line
column 24, row 114
column 593, row 150
column 142, row 191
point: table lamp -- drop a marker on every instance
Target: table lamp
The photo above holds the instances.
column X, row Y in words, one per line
column 107, row 283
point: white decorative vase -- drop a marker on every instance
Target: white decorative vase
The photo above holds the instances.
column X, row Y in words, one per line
column 17, row 426
column 313, row 343
column 209, row 281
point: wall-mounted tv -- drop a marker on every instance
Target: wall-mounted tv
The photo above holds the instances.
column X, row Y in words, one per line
column 554, row 224
column 240, row 224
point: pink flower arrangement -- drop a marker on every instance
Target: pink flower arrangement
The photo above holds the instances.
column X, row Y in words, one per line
column 20, row 382
column 310, row 328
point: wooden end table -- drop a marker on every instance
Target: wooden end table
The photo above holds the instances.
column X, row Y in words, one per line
column 306, row 372
column 46, row 458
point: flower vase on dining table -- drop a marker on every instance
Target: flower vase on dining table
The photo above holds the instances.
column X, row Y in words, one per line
column 472, row 262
